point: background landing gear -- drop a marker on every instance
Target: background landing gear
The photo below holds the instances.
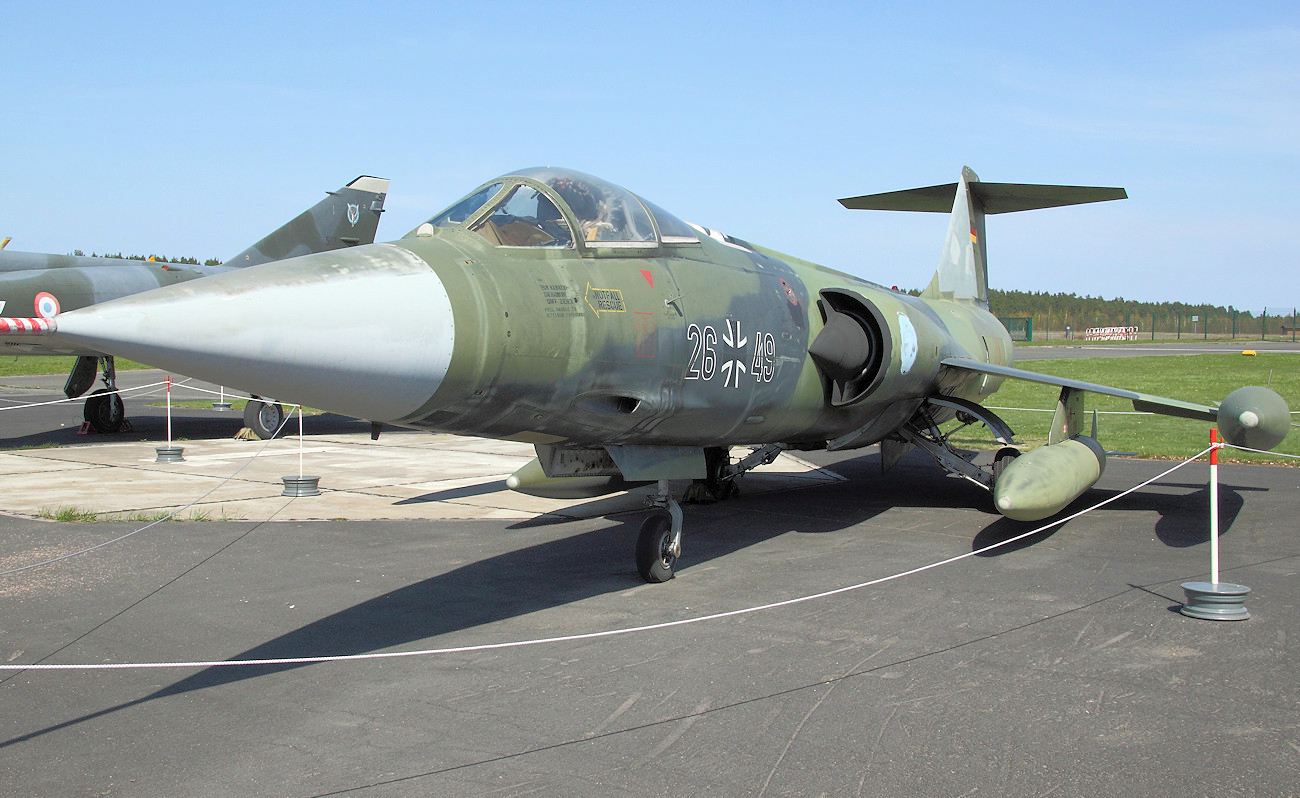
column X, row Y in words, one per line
column 104, row 411
column 263, row 417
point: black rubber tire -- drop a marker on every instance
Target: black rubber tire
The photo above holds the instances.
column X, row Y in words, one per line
column 263, row 418
column 1003, row 459
column 653, row 560
column 105, row 411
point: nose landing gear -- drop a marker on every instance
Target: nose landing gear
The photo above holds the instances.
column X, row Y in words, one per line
column 104, row 411
column 659, row 543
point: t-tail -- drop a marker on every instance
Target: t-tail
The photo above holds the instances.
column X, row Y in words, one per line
column 347, row 217
column 963, row 267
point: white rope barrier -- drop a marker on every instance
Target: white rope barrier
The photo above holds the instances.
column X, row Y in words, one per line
column 1260, row 451
column 139, row 389
column 119, row 391
column 588, row 635
column 1098, row 412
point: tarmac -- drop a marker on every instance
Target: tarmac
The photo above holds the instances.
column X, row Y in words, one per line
column 1056, row 665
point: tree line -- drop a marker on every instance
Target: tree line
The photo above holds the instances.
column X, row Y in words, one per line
column 1093, row 311
column 158, row 258
column 1055, row 314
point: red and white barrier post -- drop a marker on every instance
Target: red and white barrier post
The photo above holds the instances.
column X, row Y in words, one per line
column 1215, row 600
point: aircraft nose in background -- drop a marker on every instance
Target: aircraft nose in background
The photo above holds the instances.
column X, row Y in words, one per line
column 366, row 332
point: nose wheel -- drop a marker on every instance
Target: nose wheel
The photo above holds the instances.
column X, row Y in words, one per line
column 654, row 548
column 104, row 410
column 659, row 543
column 264, row 417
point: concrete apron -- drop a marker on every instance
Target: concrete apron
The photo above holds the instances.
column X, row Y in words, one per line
column 404, row 475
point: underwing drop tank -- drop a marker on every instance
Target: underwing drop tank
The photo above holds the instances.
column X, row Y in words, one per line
column 1042, row 482
column 531, row 479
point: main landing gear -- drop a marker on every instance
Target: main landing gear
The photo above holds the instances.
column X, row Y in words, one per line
column 659, row 543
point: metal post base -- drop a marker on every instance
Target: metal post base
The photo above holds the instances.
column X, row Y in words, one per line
column 169, row 454
column 1215, row 601
column 221, row 407
column 300, row 486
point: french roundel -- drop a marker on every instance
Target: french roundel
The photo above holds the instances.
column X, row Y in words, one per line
column 47, row 307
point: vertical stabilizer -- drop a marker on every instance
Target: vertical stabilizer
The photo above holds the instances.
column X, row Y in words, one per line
column 346, row 218
column 963, row 268
column 962, row 274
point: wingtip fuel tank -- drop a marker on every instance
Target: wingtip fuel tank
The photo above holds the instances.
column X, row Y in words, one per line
column 1254, row 417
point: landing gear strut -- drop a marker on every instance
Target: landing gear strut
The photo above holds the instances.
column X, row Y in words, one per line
column 923, row 432
column 659, row 543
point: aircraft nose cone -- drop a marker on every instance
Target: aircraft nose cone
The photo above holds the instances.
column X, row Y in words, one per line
column 365, row 332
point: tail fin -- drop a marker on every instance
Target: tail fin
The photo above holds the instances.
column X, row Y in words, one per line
column 345, row 218
column 963, row 267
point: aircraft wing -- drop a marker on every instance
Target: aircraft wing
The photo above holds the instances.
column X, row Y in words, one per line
column 1141, row 401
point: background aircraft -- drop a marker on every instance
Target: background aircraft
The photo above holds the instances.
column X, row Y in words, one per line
column 552, row 307
column 50, row 284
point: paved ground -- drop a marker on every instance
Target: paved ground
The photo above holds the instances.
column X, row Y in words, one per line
column 1056, row 665
column 1139, row 349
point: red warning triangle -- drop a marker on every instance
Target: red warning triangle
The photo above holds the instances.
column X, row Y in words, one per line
column 649, row 278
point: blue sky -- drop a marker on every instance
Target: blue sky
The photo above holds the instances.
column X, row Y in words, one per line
column 153, row 127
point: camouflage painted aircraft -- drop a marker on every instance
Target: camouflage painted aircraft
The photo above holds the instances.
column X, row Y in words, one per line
column 629, row 347
column 50, row 284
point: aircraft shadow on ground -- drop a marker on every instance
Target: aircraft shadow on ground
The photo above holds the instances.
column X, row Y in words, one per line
column 1184, row 518
column 463, row 492
column 599, row 561
column 561, row 571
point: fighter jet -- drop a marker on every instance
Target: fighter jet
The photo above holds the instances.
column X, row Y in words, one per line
column 50, row 284
column 552, row 307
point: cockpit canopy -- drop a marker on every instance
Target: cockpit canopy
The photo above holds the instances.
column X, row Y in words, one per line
column 548, row 207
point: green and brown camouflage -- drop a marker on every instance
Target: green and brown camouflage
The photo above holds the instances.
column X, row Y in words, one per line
column 552, row 307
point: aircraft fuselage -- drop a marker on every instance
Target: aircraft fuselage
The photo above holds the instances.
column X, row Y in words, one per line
column 703, row 344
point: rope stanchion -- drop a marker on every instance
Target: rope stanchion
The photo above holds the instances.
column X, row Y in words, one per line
column 1215, row 600
column 300, row 485
column 169, row 453
column 282, row 661
column 1215, row 446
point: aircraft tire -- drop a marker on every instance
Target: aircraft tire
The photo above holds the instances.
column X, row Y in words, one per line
column 653, row 559
column 263, row 417
column 105, row 411
column 1003, row 459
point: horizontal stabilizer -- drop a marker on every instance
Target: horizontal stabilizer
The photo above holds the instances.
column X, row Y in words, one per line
column 994, row 197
